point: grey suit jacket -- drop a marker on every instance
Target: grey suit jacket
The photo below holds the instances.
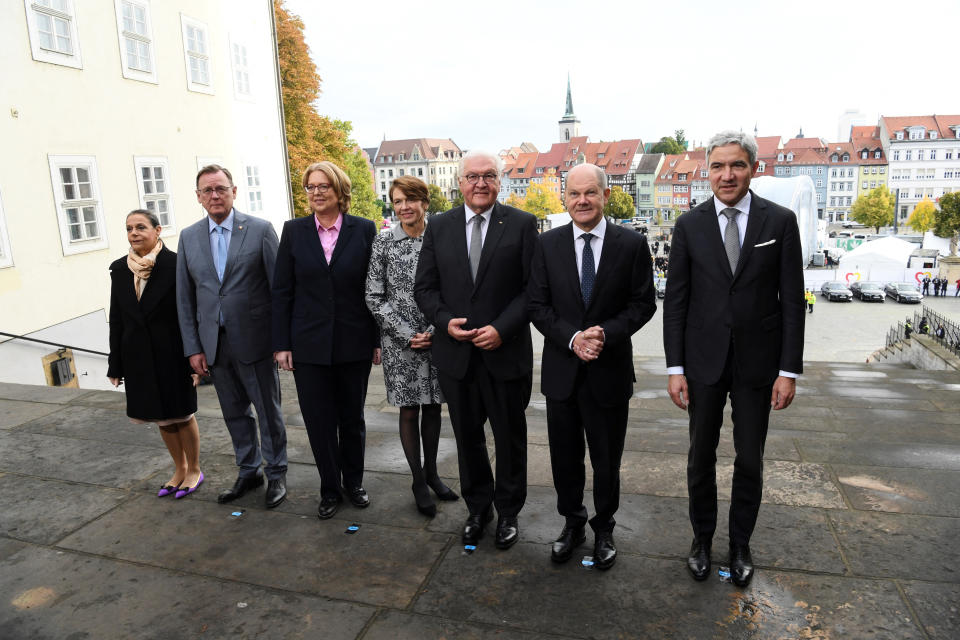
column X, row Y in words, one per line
column 243, row 297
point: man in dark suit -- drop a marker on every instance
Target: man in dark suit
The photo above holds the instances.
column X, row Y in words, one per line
column 224, row 270
column 591, row 288
column 732, row 324
column 471, row 284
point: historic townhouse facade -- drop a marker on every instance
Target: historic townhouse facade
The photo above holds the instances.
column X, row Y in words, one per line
column 923, row 155
column 433, row 160
column 113, row 106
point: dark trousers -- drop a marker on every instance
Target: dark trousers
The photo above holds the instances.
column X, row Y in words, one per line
column 471, row 401
column 331, row 401
column 605, row 429
column 239, row 385
column 751, row 415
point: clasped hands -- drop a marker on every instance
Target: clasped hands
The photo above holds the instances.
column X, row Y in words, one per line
column 588, row 344
column 486, row 338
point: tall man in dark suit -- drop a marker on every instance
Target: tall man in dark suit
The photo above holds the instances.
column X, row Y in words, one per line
column 224, row 269
column 732, row 324
column 471, row 284
column 591, row 288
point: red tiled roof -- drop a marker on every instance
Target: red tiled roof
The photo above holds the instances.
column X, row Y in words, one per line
column 804, row 143
column 940, row 124
column 767, row 146
column 430, row 148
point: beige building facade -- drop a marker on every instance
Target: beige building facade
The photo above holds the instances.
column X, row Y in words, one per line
column 113, row 105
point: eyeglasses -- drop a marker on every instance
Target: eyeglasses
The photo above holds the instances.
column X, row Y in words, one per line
column 208, row 191
column 319, row 188
column 473, row 178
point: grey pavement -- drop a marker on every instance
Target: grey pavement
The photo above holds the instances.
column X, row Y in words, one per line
column 855, row 538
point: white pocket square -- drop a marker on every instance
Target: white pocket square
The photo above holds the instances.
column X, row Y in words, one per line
column 763, row 244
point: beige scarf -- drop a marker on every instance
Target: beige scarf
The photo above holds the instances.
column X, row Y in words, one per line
column 142, row 266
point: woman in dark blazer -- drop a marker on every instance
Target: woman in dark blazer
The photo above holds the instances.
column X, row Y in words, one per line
column 323, row 331
column 146, row 351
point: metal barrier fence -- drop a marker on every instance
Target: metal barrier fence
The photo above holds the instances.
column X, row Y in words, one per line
column 934, row 325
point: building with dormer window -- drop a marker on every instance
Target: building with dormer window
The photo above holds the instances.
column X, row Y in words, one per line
column 433, row 160
column 923, row 153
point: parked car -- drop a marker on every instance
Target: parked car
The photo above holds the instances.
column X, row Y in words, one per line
column 661, row 287
column 868, row 291
column 836, row 291
column 903, row 291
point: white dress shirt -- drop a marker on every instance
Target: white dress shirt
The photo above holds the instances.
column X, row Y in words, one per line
column 469, row 213
column 596, row 244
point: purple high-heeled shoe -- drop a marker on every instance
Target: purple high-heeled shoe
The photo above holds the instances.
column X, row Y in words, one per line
column 185, row 492
column 167, row 490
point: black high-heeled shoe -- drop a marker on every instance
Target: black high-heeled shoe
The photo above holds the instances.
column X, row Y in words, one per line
column 422, row 497
column 443, row 491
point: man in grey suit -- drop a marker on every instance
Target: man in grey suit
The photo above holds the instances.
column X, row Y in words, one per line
column 224, row 273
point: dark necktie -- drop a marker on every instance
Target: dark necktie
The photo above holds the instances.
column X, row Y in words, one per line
column 588, row 273
column 731, row 237
column 476, row 245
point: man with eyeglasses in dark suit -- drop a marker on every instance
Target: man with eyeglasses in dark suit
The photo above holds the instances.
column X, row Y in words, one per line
column 471, row 284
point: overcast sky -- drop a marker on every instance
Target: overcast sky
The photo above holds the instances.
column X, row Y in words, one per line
column 492, row 73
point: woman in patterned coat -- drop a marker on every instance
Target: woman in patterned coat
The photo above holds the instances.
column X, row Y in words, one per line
column 408, row 371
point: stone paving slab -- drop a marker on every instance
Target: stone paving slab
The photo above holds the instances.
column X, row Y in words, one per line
column 65, row 507
column 937, row 605
column 377, row 565
column 15, row 412
column 531, row 593
column 90, row 461
column 396, row 625
column 799, row 484
column 95, row 423
column 391, row 499
column 920, row 491
column 50, row 594
column 45, row 395
column 882, row 454
column 899, row 546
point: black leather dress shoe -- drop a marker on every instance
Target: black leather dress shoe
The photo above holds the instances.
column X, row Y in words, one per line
column 570, row 538
column 276, row 492
column 474, row 526
column 328, row 507
column 240, row 487
column 508, row 532
column 604, row 553
column 699, row 560
column 741, row 565
column 358, row 497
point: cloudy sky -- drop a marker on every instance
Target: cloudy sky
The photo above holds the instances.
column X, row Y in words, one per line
column 492, row 73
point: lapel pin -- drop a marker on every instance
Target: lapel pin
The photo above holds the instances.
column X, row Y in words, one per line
column 240, row 228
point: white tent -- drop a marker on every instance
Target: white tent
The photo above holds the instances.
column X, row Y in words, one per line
column 799, row 195
column 892, row 253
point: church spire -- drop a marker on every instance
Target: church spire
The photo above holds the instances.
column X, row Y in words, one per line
column 569, row 111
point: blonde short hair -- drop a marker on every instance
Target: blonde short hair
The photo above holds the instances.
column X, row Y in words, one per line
column 339, row 181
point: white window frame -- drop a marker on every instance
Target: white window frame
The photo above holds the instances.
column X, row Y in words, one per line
column 139, row 164
column 123, row 36
column 53, row 56
column 254, row 204
column 6, row 257
column 240, row 72
column 188, row 55
column 73, row 247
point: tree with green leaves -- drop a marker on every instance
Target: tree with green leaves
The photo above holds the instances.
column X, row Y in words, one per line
column 874, row 208
column 681, row 139
column 458, row 200
column 438, row 203
column 310, row 136
column 947, row 219
column 668, row 145
column 620, row 204
column 923, row 217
